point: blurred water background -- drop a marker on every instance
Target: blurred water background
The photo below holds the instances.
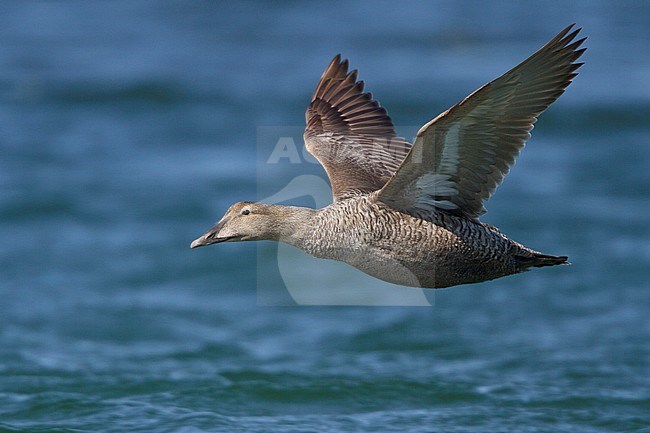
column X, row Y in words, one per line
column 129, row 127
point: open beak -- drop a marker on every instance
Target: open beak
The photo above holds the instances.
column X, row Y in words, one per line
column 212, row 236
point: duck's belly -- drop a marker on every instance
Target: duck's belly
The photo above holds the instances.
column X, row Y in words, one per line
column 408, row 251
column 433, row 270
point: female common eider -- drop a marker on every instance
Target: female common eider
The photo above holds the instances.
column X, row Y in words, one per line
column 409, row 213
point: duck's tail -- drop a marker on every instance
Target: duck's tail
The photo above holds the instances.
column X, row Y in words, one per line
column 538, row 260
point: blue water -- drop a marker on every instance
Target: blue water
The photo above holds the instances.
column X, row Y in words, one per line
column 129, row 127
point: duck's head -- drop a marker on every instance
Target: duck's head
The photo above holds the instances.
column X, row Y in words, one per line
column 244, row 221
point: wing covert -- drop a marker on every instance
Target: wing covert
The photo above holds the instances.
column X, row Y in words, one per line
column 460, row 157
column 350, row 134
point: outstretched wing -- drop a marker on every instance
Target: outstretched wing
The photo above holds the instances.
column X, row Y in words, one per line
column 460, row 157
column 350, row 134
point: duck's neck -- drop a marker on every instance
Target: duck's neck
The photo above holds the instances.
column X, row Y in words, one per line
column 293, row 224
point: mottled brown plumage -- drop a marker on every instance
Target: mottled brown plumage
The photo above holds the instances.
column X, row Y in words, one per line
column 410, row 214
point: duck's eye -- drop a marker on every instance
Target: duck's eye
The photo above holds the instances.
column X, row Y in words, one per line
column 245, row 211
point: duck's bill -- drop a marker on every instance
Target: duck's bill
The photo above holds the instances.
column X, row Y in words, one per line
column 212, row 236
column 206, row 240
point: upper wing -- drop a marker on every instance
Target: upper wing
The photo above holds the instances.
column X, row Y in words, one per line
column 460, row 157
column 350, row 134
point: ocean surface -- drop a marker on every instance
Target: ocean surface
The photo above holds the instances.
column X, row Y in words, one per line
column 129, row 127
